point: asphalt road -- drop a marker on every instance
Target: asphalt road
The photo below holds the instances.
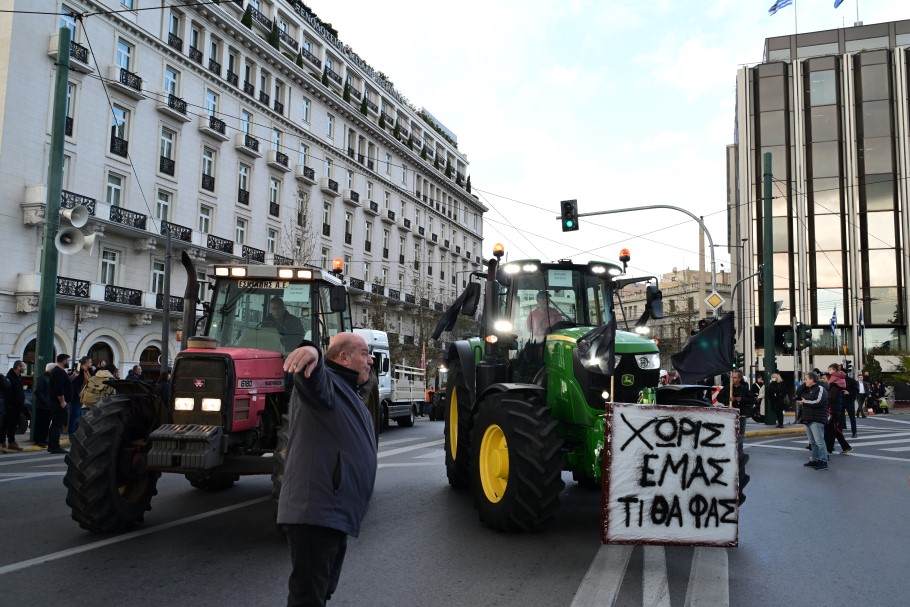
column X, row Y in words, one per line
column 806, row 537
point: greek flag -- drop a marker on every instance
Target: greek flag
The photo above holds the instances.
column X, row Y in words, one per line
column 860, row 330
column 834, row 322
column 836, row 4
column 779, row 4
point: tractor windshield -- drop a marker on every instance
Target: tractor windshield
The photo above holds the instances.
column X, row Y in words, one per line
column 271, row 315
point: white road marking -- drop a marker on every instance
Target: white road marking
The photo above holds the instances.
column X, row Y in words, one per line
column 601, row 583
column 6, row 476
column 409, row 448
column 891, row 420
column 54, row 556
column 407, row 465
column 863, row 437
column 434, row 455
column 853, row 454
column 386, row 443
column 897, row 449
column 655, row 588
column 709, row 578
column 24, row 460
column 11, row 478
column 857, row 442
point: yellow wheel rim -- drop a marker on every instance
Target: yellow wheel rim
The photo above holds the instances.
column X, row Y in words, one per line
column 453, row 423
column 494, row 463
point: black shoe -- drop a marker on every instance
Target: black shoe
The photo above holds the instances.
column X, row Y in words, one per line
column 42, row 445
column 821, row 466
column 58, row 450
column 808, row 446
column 811, row 463
column 780, row 425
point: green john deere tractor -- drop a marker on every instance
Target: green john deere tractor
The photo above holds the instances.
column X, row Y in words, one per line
column 525, row 400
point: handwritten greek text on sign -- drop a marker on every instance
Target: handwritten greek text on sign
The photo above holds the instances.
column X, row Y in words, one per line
column 671, row 476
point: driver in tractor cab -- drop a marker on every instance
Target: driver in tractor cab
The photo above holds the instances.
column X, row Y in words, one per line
column 543, row 317
column 289, row 326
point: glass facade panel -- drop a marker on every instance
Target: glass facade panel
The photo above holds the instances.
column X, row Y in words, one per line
column 782, row 295
column 828, row 270
column 823, row 122
column 880, row 230
column 781, row 271
column 826, row 195
column 828, row 232
column 780, row 236
column 825, row 159
column 825, row 302
column 817, row 50
column 778, row 163
column 902, row 39
column 873, row 82
column 875, row 155
column 853, row 46
column 883, row 341
column 822, row 87
column 883, row 302
column 879, row 191
column 882, row 267
column 771, row 127
column 770, row 94
column 782, row 54
column 876, row 119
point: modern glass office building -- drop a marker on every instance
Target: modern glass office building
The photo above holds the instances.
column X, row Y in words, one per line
column 833, row 109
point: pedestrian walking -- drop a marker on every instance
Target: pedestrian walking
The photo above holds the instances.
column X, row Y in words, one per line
column 41, row 404
column 776, row 397
column 850, row 403
column 83, row 374
column 330, row 468
column 862, row 392
column 4, row 389
column 813, row 401
column 61, row 396
column 163, row 387
column 14, row 404
column 836, row 384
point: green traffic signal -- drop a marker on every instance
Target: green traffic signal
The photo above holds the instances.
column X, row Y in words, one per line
column 569, row 215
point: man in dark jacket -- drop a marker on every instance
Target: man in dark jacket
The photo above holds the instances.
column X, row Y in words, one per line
column 330, row 467
column 813, row 400
column 14, row 401
column 61, row 395
column 41, row 402
column 736, row 394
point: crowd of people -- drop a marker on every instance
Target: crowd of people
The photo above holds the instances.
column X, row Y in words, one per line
column 58, row 394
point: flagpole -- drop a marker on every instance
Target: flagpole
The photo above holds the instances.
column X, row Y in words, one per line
column 795, row 25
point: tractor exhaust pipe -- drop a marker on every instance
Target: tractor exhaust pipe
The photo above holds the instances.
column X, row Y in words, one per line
column 190, row 298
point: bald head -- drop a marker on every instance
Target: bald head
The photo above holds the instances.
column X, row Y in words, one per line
column 351, row 351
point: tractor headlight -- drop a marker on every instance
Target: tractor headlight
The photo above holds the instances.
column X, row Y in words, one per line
column 502, row 326
column 183, row 404
column 211, row 404
column 648, row 361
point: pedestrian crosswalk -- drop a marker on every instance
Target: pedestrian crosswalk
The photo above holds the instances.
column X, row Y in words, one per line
column 881, row 437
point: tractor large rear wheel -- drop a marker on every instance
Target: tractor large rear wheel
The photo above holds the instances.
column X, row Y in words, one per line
column 517, row 475
column 108, row 487
column 458, row 429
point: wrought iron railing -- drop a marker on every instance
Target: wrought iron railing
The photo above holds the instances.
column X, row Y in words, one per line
column 367, row 246
column 333, row 185
column 216, row 243
column 357, row 283
column 68, row 200
column 281, row 260
column 243, row 196
column 390, row 214
column 195, row 54
column 176, row 103
column 309, row 173
column 217, row 125
column 166, row 165
column 437, row 306
column 407, row 223
column 326, row 229
column 178, row 232
column 355, row 196
column 377, row 289
column 287, row 39
column 311, row 58
column 281, row 158
column 208, row 182
column 249, row 89
column 68, row 127
column 394, row 294
column 348, row 238
column 72, row 287
column 264, row 98
column 175, row 303
column 408, row 339
column 128, row 78
column 409, row 298
column 372, row 106
column 119, row 146
column 232, row 78
column 122, row 295
column 425, row 302
column 253, row 254
column 274, row 209
column 374, row 206
column 214, row 67
column 260, row 18
column 279, row 107
column 251, row 142
column 78, row 52
column 128, row 218
column 332, row 75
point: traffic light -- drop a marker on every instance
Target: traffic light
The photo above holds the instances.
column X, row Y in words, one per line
column 803, row 336
column 848, row 367
column 739, row 359
column 569, row 209
column 788, row 339
column 704, row 323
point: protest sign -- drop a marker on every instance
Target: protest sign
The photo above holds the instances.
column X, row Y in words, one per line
column 671, row 476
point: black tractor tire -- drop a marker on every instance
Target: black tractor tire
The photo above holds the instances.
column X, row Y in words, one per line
column 102, row 495
column 457, row 432
column 517, row 455
column 211, row 482
column 384, row 416
column 280, row 457
column 408, row 422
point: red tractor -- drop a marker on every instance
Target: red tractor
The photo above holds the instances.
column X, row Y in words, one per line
column 229, row 396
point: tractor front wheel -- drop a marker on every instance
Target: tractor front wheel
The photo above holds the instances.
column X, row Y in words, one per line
column 211, row 482
column 517, row 475
column 108, row 486
column 458, row 429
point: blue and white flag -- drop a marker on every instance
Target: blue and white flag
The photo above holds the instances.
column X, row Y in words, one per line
column 836, row 4
column 779, row 4
column 834, row 322
column 860, row 321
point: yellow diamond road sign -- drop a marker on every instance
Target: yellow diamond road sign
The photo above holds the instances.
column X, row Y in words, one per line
column 714, row 300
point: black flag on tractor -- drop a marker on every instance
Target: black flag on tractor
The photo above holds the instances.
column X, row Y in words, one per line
column 707, row 353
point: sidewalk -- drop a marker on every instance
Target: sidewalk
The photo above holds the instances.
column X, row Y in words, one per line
column 23, row 441
column 753, row 429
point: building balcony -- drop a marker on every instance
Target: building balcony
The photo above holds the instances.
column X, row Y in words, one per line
column 404, row 224
column 175, row 304
column 247, row 144
column 372, row 107
column 177, row 232
column 281, row 260
column 305, row 174
column 222, row 245
column 328, row 186
column 274, row 209
column 173, row 107
column 351, row 197
column 213, row 127
column 119, row 147
column 260, row 19
column 278, row 160
column 80, row 60
column 334, row 79
column 129, row 218
column 278, row 107
column 232, row 78
column 237, row 5
column 208, row 182
column 243, row 196
column 389, row 216
column 348, row 238
column 249, row 89
column 457, row 249
column 389, row 121
column 445, row 244
column 167, row 165
column 287, row 39
column 215, row 67
column 125, row 82
column 264, row 98
column 367, row 246
column 311, row 58
column 195, row 55
column 106, row 297
column 433, row 239
column 354, row 92
column 420, row 233
column 252, row 254
column 326, row 229
column 357, row 284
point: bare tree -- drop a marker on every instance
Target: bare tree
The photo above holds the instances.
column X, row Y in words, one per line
column 298, row 236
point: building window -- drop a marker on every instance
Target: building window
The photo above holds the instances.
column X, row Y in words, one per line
column 124, row 54
column 270, row 239
column 348, row 227
column 328, row 167
column 205, row 219
column 120, row 123
column 70, row 108
column 113, row 193
column 208, row 162
column 368, row 232
column 195, row 38
column 171, row 80
column 274, row 190
column 68, row 20
column 276, row 139
column 388, row 164
column 404, row 175
column 126, row 3
column 329, row 126
column 243, row 177
column 369, row 190
column 326, row 214
column 162, row 205
column 110, row 260
column 157, row 276
column 325, row 258
column 240, row 230
column 304, row 152
column 246, row 121
column 167, row 143
column 388, row 200
column 350, row 179
column 305, row 110
column 211, row 102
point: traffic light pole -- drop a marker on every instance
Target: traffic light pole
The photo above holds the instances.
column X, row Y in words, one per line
column 47, row 296
column 768, row 282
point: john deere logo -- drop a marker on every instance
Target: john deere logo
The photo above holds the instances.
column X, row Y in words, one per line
column 628, row 379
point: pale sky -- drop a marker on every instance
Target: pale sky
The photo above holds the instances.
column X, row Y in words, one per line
column 615, row 104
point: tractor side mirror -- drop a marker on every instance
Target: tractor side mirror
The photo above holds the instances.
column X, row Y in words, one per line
column 471, row 299
column 655, row 301
column 338, row 298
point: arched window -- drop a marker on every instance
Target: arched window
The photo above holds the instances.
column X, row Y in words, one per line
column 148, row 360
column 101, row 351
column 28, row 357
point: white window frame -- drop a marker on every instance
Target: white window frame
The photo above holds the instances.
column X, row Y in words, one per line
column 157, row 276
column 167, row 148
column 330, row 126
column 109, row 266
column 163, row 201
column 243, row 176
column 211, row 102
column 305, row 110
column 110, row 189
column 206, row 213
column 123, row 57
column 271, row 240
column 274, row 190
column 241, row 225
column 209, row 160
column 171, row 81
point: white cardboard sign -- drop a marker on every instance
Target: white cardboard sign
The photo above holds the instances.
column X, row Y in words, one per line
column 671, row 476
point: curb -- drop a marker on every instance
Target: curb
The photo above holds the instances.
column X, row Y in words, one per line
column 801, row 429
